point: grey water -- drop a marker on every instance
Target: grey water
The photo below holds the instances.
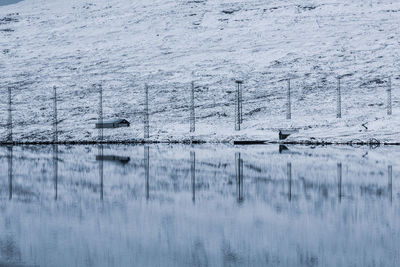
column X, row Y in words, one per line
column 204, row 205
column 8, row 2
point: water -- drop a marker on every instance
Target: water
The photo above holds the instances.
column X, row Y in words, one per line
column 176, row 205
column 8, row 2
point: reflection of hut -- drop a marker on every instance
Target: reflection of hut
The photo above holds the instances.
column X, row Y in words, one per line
column 115, row 123
column 119, row 159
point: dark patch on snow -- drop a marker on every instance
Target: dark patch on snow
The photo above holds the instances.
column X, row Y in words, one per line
column 9, row 18
column 307, row 7
column 230, row 11
column 6, row 30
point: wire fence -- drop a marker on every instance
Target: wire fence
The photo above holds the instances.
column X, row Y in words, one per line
column 196, row 105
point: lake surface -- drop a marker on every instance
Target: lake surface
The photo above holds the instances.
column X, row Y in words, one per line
column 8, row 2
column 206, row 205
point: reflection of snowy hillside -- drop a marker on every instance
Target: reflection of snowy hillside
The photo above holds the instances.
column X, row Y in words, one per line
column 314, row 228
column 124, row 44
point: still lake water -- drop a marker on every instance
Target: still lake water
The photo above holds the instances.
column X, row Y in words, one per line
column 206, row 205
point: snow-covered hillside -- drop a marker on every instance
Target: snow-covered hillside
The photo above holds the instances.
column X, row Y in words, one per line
column 124, row 44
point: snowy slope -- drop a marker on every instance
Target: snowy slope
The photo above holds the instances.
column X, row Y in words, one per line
column 124, row 44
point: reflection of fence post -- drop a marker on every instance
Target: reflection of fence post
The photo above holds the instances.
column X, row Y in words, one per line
column 239, row 176
column 147, row 170
column 9, row 122
column 339, row 100
column 389, row 97
column 289, row 177
column 339, row 176
column 146, row 133
column 55, row 169
column 100, row 113
column 55, row 119
column 101, row 169
column 193, row 174
column 238, row 105
column 390, row 182
column 192, row 114
column 10, row 170
column 288, row 103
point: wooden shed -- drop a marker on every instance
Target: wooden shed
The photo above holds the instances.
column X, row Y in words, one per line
column 115, row 123
column 284, row 133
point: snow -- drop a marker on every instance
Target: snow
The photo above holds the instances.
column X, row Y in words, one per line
column 167, row 44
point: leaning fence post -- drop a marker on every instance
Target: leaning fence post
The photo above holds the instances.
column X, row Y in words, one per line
column 389, row 96
column 100, row 113
column 55, row 119
column 192, row 114
column 339, row 100
column 9, row 122
column 146, row 133
column 288, row 104
column 238, row 105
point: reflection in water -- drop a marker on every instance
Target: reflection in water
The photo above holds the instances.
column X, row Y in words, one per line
column 101, row 168
column 55, row 170
column 117, row 159
column 289, row 177
column 339, row 176
column 10, row 170
column 193, row 174
column 390, row 182
column 239, row 176
column 293, row 213
column 147, row 170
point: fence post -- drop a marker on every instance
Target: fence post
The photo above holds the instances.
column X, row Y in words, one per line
column 241, row 102
column 55, row 116
column 238, row 105
column 288, row 104
column 146, row 133
column 9, row 122
column 192, row 114
column 100, row 113
column 339, row 100
column 389, row 96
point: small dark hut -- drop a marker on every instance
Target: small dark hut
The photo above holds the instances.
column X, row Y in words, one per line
column 283, row 134
column 115, row 123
